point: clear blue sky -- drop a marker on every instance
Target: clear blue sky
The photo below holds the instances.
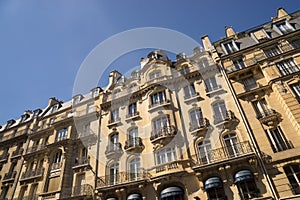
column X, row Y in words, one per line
column 44, row 42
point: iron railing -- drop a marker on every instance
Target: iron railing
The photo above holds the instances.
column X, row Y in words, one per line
column 113, row 148
column 35, row 148
column 83, row 190
column 162, row 102
column 82, row 161
column 133, row 142
column 33, row 173
column 228, row 116
column 166, row 131
column 201, row 123
column 133, row 114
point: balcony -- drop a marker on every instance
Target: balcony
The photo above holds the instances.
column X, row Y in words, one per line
column 4, row 157
column 114, row 122
column 82, row 190
column 163, row 133
column 200, row 125
column 192, row 97
column 159, row 104
column 132, row 116
column 224, row 154
column 83, row 162
column 9, row 176
column 134, row 144
column 31, row 174
column 120, row 178
column 226, row 120
column 17, row 152
column 113, row 149
column 88, row 137
column 169, row 167
column 269, row 117
column 35, row 148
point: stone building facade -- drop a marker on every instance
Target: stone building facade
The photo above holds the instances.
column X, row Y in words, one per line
column 222, row 123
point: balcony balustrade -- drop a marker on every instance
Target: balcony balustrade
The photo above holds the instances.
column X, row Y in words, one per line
column 120, row 178
column 32, row 174
column 133, row 115
column 159, row 104
column 113, row 149
column 226, row 119
column 82, row 190
column 81, row 162
column 223, row 154
column 35, row 148
column 200, row 124
column 134, row 144
column 162, row 133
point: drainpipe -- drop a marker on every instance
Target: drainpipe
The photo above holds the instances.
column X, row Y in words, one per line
column 251, row 135
column 99, row 115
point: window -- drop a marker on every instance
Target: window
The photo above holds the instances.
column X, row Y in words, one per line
column 196, row 119
column 166, row 155
column 114, row 115
column 114, row 173
column 274, row 51
column 287, row 67
column 62, row 134
column 189, row 91
column 261, row 108
column 114, row 142
column 205, row 153
column 24, row 118
column 211, row 84
column 295, row 42
column 135, row 168
column 155, row 75
column 249, row 83
column 232, row 146
column 52, row 120
column 230, row 47
column 185, row 70
column 220, row 111
column 160, row 124
column 158, row 98
column 204, row 63
column 57, row 157
column 293, row 174
column 239, row 64
column 245, row 182
column 95, row 92
column 214, row 188
column 54, row 108
column 77, row 99
column 277, row 140
column 132, row 110
column 87, row 129
column 90, row 108
column 285, row 27
column 296, row 90
column 133, row 133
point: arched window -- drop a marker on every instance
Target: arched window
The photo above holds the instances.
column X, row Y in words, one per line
column 293, row 174
column 205, row 153
column 231, row 144
column 114, row 173
column 214, row 188
column 245, row 182
column 172, row 193
column 135, row 168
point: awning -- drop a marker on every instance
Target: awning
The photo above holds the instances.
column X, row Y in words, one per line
column 134, row 197
column 171, row 191
column 112, row 198
column 242, row 175
column 212, row 182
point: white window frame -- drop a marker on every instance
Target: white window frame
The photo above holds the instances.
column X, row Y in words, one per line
column 277, row 139
column 211, row 84
column 166, row 155
column 295, row 87
column 232, row 47
column 287, row 67
column 189, row 91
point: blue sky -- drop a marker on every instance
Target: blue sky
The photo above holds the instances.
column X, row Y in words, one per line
column 44, row 42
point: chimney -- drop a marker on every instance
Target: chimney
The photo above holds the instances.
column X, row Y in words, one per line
column 229, row 31
column 206, row 43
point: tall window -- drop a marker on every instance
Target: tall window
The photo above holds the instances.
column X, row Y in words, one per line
column 133, row 133
column 260, row 107
column 132, row 109
column 189, row 91
column 245, row 182
column 285, row 27
column 296, row 89
column 249, row 83
column 114, row 142
column 211, row 84
column 277, row 139
column 114, row 115
column 214, row 188
column 287, row 67
column 155, row 75
column 158, row 98
column 166, row 155
column 205, row 153
column 239, row 64
column 293, row 174
column 161, row 123
column 135, row 168
column 274, row 51
column 230, row 47
column 114, row 173
column 220, row 110
column 196, row 118
column 62, row 134
column 57, row 157
column 232, row 145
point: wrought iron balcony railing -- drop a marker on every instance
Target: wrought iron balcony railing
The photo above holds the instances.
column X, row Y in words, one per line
column 163, row 132
column 159, row 103
column 35, row 148
column 133, row 114
column 200, row 124
column 113, row 149
column 224, row 117
column 82, row 161
column 133, row 143
column 33, row 173
column 224, row 153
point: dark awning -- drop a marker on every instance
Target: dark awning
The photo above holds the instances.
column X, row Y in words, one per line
column 113, row 198
column 212, row 182
column 242, row 175
column 134, row 197
column 170, row 192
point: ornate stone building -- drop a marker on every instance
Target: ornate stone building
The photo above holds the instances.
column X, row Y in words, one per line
column 221, row 123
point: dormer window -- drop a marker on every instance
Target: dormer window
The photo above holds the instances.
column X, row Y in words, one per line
column 24, row 117
column 260, row 35
column 54, row 108
column 77, row 99
column 155, row 75
column 284, row 27
column 230, row 47
column 10, row 123
column 36, row 112
column 95, row 92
